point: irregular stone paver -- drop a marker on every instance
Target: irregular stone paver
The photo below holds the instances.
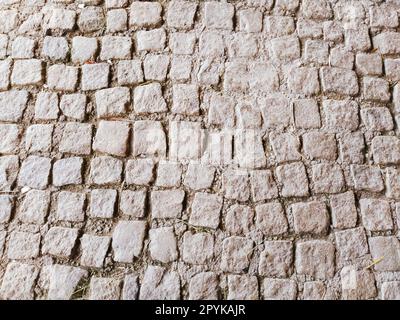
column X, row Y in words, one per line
column 191, row 149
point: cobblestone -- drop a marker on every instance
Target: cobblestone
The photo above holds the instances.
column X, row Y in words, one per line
column 243, row 149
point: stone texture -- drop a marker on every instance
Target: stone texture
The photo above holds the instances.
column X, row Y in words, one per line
column 203, row 286
column 9, row 166
column 205, row 210
column 310, row 217
column 127, row 240
column 159, row 284
column 95, row 76
column 149, row 139
column 46, row 106
column 34, row 207
column 131, row 287
column 339, row 81
column 286, row 147
column 6, row 205
column 39, row 138
column 279, row 289
column 385, row 249
column 341, row 115
column 18, row 281
column 60, row 241
column 242, row 287
column 23, row 245
column 76, row 138
column 236, row 185
column 139, row 172
column 319, row 145
column 166, row 204
column 62, row 78
column 148, row 99
column 163, row 246
column 94, row 249
column 132, row 203
column 377, row 119
column 55, row 48
column 185, row 140
column 102, row 203
column 64, row 281
column 35, row 172
column 180, row 149
column 197, row 248
column 343, row 210
column 263, row 185
column 218, row 15
column 271, row 219
column 199, row 176
column 304, row 81
column 67, row 171
column 293, row 179
column 376, row 214
column 129, row 72
column 104, row 289
column 327, row 178
column 115, row 47
column 70, row 206
column 27, row 72
column 386, row 149
column 367, row 178
column 315, row 258
column 239, row 219
column 391, row 290
column 151, row 41
column 180, row 14
column 236, row 252
column 83, row 49
column 314, row 290
column 105, row 170
column 306, row 114
column 112, row 138
column 13, row 104
column 91, row 19
column 277, row 259
column 357, row 284
column 145, row 14
column 112, row 102
column 169, row 174
column 351, row 243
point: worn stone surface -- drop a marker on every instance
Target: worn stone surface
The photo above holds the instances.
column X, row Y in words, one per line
column 163, row 246
column 127, row 240
column 203, row 286
column 187, row 149
column 277, row 259
column 351, row 243
column 70, row 206
column 23, row 245
column 94, row 249
column 197, row 248
column 104, row 289
column 387, row 249
column 315, row 258
column 242, row 287
column 279, row 289
column 18, row 281
column 357, row 284
column 63, row 281
column 159, row 284
column 60, row 241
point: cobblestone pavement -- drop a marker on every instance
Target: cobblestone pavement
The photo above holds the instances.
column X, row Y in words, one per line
column 199, row 150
